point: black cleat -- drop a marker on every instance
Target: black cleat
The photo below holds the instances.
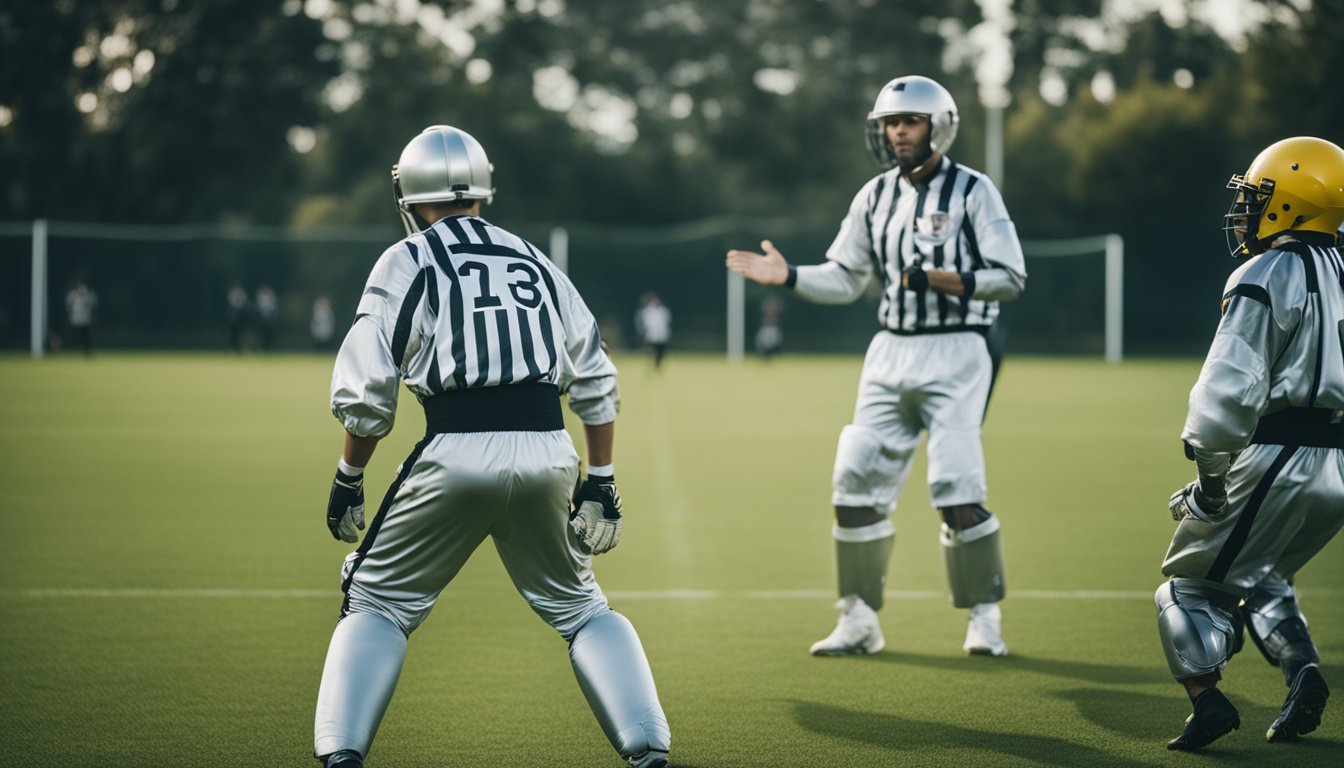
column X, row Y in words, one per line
column 345, row 758
column 1302, row 709
column 1214, row 717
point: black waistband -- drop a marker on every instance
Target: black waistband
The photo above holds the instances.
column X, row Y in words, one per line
column 533, row 407
column 1311, row 427
column 927, row 330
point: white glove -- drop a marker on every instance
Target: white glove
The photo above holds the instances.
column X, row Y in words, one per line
column 1190, row 501
column 596, row 517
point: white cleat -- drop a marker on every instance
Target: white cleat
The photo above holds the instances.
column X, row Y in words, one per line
column 858, row 631
column 649, row 758
column 983, row 635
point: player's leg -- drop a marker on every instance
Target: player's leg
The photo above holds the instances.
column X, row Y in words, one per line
column 1198, row 624
column 872, row 463
column 1273, row 618
column 434, row 515
column 554, row 574
column 1279, row 630
column 969, row 535
column 870, row 467
column 1262, row 530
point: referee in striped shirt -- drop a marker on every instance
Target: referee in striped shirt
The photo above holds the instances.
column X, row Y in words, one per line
column 938, row 237
column 487, row 334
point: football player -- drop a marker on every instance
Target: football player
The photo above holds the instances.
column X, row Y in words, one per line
column 1265, row 432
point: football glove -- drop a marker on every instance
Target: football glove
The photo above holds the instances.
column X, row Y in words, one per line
column 596, row 516
column 915, row 279
column 345, row 507
column 1191, row 501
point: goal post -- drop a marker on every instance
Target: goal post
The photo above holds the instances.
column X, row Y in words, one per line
column 1113, row 247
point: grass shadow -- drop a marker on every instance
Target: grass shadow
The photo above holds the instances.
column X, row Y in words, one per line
column 1108, row 674
column 902, row 734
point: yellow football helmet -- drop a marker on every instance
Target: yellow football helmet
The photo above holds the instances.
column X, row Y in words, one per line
column 1293, row 185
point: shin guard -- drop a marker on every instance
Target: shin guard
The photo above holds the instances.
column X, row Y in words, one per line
column 974, row 559
column 861, row 558
column 615, row 678
column 1279, row 630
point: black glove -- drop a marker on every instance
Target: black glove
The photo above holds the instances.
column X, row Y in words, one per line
column 345, row 506
column 596, row 516
column 915, row 279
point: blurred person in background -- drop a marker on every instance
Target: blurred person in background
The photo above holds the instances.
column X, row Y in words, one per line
column 653, row 323
column 1264, row 429
column 268, row 316
column 237, row 315
column 937, row 234
column 487, row 333
column 80, row 305
column 322, row 325
column 769, row 336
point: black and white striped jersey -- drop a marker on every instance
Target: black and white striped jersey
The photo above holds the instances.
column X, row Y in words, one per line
column 954, row 221
column 1279, row 345
column 467, row 304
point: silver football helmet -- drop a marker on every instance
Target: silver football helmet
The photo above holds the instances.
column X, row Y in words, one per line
column 912, row 95
column 442, row 164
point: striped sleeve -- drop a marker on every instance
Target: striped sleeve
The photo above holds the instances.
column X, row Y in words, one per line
column 366, row 378
column 1004, row 274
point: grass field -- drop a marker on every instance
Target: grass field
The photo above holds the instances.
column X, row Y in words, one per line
column 168, row 585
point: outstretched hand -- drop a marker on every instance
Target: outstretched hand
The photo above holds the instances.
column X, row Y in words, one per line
column 767, row 268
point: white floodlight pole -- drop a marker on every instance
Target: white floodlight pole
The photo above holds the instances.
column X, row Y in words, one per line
column 994, row 144
column 39, row 315
column 736, row 313
column 1115, row 297
column 560, row 248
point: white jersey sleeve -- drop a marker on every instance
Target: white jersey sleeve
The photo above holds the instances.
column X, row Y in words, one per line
column 1262, row 309
column 1006, row 273
column 848, row 268
column 366, row 380
column 586, row 372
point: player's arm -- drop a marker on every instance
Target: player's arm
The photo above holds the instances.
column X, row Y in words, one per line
column 365, row 382
column 1004, row 275
column 1233, row 387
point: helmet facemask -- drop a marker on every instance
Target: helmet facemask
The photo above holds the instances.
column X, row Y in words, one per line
column 1241, row 224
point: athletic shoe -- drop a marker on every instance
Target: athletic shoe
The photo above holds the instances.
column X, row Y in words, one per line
column 1302, row 709
column 1214, row 717
column 983, row 634
column 345, row 758
column 858, row 631
column 649, row 758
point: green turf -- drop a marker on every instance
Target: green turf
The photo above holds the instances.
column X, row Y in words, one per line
column 168, row 587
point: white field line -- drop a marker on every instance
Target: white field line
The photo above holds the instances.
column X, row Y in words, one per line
column 133, row 593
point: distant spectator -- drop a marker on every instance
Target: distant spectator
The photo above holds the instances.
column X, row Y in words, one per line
column 238, row 306
column 769, row 336
column 323, row 324
column 80, row 304
column 654, row 324
column 268, row 316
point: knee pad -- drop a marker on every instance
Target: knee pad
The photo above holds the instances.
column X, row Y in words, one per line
column 974, row 559
column 1196, row 626
column 1278, row 628
column 615, row 678
column 862, row 470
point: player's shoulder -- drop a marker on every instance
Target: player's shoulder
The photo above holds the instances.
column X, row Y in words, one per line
column 1277, row 276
